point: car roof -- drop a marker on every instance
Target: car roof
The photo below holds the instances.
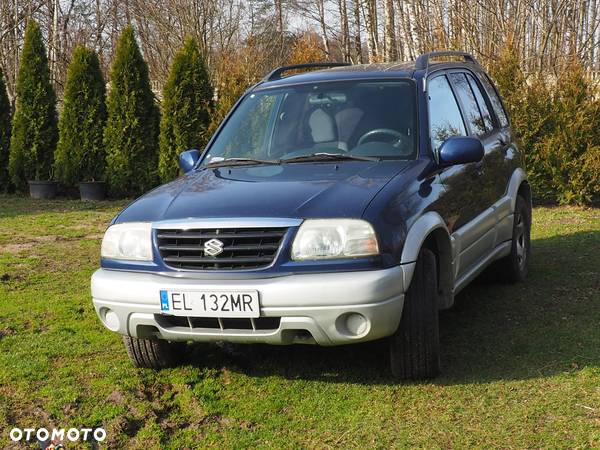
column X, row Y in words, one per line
column 362, row 71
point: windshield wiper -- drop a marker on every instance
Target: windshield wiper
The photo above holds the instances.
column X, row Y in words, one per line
column 241, row 162
column 328, row 157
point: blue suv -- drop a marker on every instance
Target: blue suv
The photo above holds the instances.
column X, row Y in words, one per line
column 333, row 206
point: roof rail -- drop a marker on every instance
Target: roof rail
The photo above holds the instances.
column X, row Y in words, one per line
column 423, row 60
column 276, row 74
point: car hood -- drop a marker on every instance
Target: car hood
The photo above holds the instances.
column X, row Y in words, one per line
column 340, row 189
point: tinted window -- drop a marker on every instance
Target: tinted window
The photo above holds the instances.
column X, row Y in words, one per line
column 363, row 118
column 470, row 107
column 496, row 103
column 444, row 115
column 483, row 108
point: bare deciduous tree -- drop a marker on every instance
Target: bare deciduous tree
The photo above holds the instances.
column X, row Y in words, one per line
column 547, row 34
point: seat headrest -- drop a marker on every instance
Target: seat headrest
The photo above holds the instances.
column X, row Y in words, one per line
column 322, row 127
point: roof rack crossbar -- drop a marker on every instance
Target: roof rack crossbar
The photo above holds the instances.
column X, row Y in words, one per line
column 422, row 62
column 276, row 74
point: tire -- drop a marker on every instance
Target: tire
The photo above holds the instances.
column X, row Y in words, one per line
column 515, row 266
column 152, row 353
column 415, row 347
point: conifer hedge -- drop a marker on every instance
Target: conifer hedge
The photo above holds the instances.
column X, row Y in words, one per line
column 186, row 106
column 5, row 124
column 80, row 154
column 34, row 132
column 131, row 133
column 557, row 121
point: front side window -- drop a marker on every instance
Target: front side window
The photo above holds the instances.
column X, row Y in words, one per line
column 445, row 119
column 360, row 118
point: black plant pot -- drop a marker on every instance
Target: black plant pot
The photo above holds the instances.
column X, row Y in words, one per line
column 42, row 189
column 92, row 190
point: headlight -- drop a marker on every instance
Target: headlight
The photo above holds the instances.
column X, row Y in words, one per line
column 334, row 238
column 131, row 241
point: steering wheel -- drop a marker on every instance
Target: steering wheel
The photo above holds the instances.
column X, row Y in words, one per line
column 398, row 136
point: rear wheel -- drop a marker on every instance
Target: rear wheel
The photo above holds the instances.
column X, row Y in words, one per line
column 515, row 266
column 153, row 353
column 415, row 347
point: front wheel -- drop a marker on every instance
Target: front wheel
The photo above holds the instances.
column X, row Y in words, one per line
column 415, row 347
column 152, row 353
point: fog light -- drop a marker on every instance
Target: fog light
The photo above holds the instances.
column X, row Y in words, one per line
column 352, row 324
column 356, row 324
column 110, row 319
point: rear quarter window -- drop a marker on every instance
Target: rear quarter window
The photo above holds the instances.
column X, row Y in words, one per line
column 483, row 107
column 494, row 99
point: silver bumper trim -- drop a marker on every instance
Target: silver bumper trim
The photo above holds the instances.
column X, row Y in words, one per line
column 312, row 307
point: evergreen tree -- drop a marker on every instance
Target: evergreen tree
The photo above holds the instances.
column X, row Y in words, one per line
column 186, row 105
column 80, row 152
column 34, row 132
column 5, row 119
column 131, row 133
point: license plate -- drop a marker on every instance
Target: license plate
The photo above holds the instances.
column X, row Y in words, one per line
column 210, row 303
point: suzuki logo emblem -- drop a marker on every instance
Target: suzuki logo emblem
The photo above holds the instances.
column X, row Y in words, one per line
column 213, row 247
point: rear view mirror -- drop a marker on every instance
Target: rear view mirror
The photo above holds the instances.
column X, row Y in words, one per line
column 460, row 150
column 188, row 160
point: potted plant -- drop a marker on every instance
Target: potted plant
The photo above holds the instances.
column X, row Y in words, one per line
column 34, row 133
column 80, row 156
column 42, row 189
column 91, row 189
column 131, row 132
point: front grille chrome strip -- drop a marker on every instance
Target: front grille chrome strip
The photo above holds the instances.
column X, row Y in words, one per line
column 227, row 222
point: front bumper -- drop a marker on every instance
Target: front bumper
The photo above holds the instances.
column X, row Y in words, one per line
column 326, row 308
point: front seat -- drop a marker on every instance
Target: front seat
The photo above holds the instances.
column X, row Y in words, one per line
column 323, row 130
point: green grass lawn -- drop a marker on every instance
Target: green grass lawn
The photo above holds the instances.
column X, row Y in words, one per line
column 521, row 363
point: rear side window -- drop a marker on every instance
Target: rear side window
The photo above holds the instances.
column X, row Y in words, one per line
column 445, row 119
column 483, row 107
column 469, row 103
column 496, row 103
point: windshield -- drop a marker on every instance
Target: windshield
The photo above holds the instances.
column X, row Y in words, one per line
column 352, row 119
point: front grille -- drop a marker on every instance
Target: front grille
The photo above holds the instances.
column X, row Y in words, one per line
column 243, row 248
column 212, row 323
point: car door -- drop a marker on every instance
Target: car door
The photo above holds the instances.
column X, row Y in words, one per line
column 463, row 201
column 509, row 159
column 476, row 239
column 495, row 144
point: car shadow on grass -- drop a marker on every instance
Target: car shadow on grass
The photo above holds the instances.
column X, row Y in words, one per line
column 546, row 325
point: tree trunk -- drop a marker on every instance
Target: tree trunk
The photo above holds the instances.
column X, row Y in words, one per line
column 53, row 53
column 357, row 33
column 279, row 16
column 345, row 32
column 322, row 23
column 391, row 53
column 593, row 31
column 372, row 35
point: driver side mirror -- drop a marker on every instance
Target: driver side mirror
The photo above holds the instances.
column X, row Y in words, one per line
column 460, row 150
column 188, row 160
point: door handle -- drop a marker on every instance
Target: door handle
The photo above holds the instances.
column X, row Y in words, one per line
column 479, row 169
